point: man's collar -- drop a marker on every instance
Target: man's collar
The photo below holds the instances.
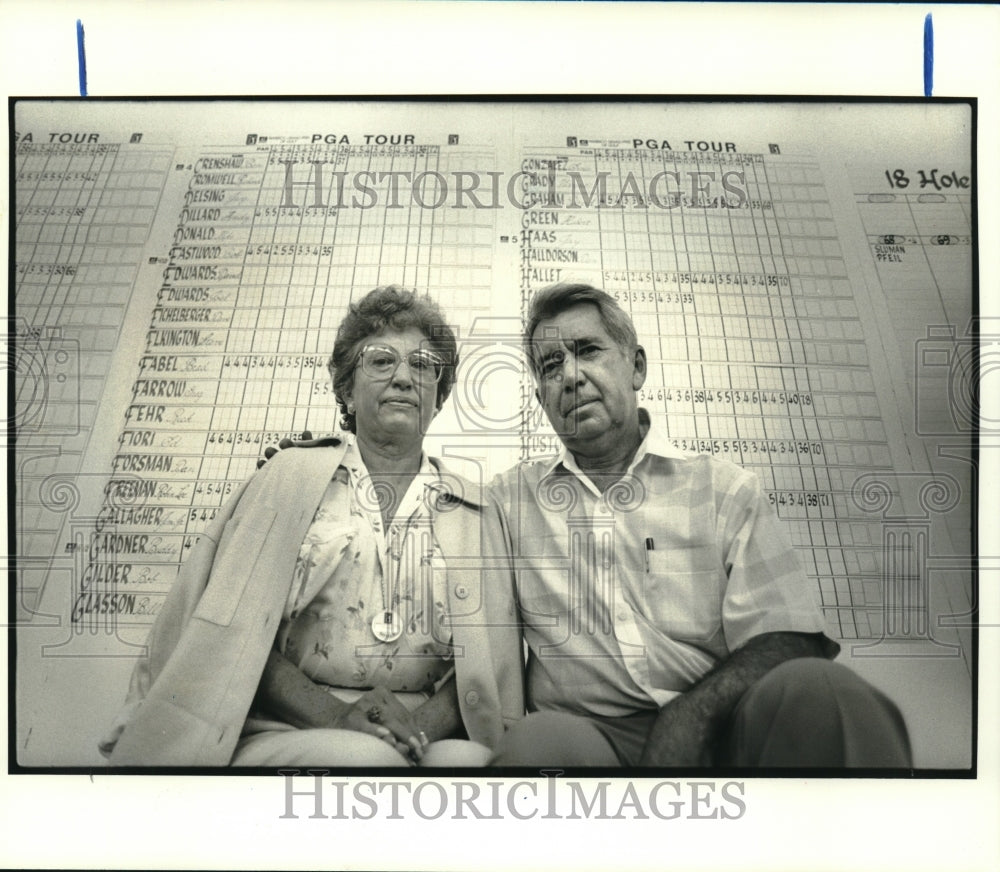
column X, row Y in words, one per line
column 655, row 442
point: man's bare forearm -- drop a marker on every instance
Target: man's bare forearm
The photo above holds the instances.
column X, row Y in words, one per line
column 688, row 728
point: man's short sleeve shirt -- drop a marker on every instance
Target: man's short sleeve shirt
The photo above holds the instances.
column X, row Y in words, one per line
column 630, row 596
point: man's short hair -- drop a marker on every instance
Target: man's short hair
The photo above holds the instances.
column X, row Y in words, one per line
column 552, row 300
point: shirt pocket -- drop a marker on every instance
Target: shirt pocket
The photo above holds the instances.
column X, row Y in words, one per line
column 683, row 593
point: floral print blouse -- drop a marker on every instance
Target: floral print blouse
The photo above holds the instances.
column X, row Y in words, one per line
column 350, row 570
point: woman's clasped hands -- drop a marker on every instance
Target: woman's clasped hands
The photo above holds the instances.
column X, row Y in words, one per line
column 379, row 713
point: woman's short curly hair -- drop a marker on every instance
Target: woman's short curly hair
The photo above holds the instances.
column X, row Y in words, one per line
column 389, row 308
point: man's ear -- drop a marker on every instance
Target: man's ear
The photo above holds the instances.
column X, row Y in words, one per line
column 639, row 368
column 538, row 397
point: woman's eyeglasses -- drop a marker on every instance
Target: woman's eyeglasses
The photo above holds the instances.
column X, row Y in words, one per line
column 380, row 362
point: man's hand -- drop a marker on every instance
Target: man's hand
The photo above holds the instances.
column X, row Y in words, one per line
column 306, row 441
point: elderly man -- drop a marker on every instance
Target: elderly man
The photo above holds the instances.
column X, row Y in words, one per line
column 666, row 615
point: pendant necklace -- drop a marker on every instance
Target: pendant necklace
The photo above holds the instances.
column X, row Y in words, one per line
column 387, row 625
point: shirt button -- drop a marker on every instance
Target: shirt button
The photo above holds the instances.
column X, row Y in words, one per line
column 472, row 698
column 461, row 591
column 622, row 615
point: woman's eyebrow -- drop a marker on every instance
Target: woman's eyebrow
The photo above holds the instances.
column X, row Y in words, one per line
column 399, row 350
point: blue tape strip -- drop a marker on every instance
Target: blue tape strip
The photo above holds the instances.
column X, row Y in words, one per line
column 928, row 55
column 81, row 56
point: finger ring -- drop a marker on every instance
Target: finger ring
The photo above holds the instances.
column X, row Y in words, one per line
column 375, row 714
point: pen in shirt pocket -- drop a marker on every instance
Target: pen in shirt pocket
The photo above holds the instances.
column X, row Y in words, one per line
column 649, row 548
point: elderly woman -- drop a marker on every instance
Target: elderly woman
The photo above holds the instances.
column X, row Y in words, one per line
column 352, row 605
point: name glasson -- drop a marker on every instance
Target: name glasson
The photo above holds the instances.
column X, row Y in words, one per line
column 313, row 797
